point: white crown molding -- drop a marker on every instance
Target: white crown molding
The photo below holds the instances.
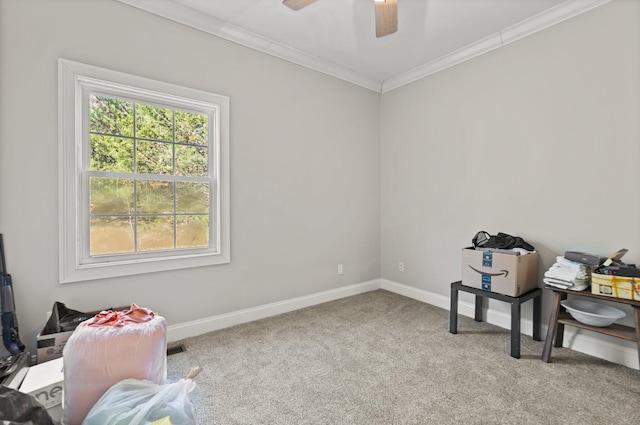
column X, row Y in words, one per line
column 478, row 48
column 539, row 22
column 209, row 24
column 550, row 17
column 187, row 16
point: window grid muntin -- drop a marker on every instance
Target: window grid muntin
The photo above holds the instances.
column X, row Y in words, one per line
column 182, row 105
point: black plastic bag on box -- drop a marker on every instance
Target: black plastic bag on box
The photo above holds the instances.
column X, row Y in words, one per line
column 483, row 239
column 64, row 319
column 18, row 408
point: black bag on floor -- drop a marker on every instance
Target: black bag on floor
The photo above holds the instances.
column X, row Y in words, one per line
column 18, row 408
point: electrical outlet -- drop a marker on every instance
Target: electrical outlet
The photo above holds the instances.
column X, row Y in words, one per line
column 401, row 266
column 340, row 269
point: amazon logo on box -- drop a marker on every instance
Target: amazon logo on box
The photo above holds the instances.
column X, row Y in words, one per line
column 509, row 273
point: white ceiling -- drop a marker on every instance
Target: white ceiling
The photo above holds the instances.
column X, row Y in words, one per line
column 337, row 37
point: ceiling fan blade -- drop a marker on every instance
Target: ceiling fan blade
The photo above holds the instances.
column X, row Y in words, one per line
column 386, row 17
column 297, row 4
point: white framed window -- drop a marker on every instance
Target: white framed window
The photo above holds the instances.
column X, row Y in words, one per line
column 144, row 175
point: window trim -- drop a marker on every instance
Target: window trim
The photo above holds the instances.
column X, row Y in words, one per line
column 74, row 78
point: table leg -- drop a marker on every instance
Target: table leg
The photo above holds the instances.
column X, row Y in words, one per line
column 537, row 311
column 453, row 311
column 515, row 330
column 560, row 332
column 636, row 311
column 553, row 326
column 478, row 314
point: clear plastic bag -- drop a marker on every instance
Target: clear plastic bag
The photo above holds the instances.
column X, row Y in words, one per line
column 111, row 347
column 140, row 402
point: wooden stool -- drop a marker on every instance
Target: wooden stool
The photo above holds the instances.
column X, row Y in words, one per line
column 560, row 318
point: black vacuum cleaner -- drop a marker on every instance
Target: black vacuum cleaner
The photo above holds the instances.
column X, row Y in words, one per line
column 10, row 335
column 13, row 367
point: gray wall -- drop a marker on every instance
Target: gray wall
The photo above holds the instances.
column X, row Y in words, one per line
column 538, row 139
column 304, row 163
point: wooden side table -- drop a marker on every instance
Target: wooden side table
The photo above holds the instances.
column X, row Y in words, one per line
column 560, row 318
column 515, row 311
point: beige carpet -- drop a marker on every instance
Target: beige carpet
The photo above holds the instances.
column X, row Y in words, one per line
column 380, row 358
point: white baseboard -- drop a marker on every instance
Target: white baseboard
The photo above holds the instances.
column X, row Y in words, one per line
column 497, row 318
column 417, row 294
column 578, row 340
column 214, row 323
column 608, row 349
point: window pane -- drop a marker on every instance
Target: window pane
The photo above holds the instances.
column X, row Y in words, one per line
column 110, row 196
column 192, row 197
column 155, row 233
column 191, row 128
column 111, row 154
column 154, row 158
column 111, row 235
column 154, row 123
column 191, row 161
column 155, row 197
column 110, row 116
column 192, row 231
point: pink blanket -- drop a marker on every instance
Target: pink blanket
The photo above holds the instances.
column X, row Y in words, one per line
column 110, row 347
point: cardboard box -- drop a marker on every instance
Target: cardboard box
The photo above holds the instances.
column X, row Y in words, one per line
column 45, row 383
column 615, row 286
column 500, row 272
column 49, row 347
